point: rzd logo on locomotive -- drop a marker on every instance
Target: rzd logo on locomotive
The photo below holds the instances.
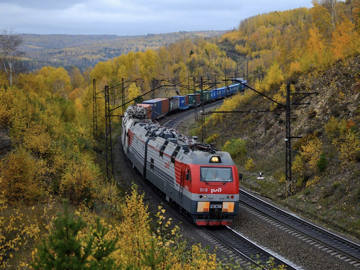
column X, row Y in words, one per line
column 216, row 190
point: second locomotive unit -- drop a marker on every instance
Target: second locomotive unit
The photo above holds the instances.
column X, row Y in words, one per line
column 202, row 181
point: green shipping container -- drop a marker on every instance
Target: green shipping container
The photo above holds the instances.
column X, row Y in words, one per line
column 207, row 96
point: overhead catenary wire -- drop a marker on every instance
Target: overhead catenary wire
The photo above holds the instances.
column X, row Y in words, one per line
column 277, row 146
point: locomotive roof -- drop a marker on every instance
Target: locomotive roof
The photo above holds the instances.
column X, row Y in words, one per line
column 199, row 153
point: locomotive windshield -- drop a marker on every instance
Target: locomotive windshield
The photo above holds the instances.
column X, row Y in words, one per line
column 216, row 174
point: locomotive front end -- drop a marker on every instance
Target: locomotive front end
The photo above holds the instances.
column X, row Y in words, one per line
column 215, row 191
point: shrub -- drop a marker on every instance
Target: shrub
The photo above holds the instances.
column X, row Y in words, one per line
column 349, row 146
column 298, row 165
column 21, row 177
column 322, row 163
column 6, row 102
column 311, row 152
column 300, row 182
column 235, row 147
column 78, row 185
column 249, row 164
column 212, row 138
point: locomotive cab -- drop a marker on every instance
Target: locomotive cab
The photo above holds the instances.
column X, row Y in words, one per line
column 216, row 191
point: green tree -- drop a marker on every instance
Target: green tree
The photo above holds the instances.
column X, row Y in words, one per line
column 102, row 249
column 63, row 250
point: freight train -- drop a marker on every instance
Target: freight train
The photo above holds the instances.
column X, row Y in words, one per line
column 199, row 179
column 159, row 107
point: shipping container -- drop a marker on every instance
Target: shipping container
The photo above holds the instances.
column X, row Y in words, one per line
column 156, row 108
column 192, row 99
column 182, row 104
column 213, row 94
column 164, row 105
column 187, row 100
column 197, row 99
column 240, row 86
column 173, row 104
column 224, row 92
column 207, row 96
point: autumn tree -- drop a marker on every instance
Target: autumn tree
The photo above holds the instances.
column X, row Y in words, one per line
column 57, row 80
column 345, row 39
column 10, row 53
column 77, row 80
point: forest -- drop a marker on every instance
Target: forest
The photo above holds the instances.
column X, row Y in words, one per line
column 48, row 152
column 85, row 51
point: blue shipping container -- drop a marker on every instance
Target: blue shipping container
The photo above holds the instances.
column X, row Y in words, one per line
column 213, row 94
column 182, row 104
column 156, row 107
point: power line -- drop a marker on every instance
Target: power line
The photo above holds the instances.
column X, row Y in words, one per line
column 277, row 146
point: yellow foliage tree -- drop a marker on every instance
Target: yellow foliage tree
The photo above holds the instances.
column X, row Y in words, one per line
column 274, row 76
column 311, row 152
column 57, row 80
column 345, row 40
column 78, row 185
column 316, row 46
column 21, row 177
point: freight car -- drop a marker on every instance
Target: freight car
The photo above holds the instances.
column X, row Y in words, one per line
column 201, row 180
column 162, row 106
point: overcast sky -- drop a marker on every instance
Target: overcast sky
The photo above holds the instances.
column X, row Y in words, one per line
column 132, row 17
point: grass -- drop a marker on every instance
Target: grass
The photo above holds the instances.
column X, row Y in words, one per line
column 23, row 228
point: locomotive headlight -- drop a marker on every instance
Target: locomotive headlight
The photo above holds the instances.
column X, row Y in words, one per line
column 215, row 159
column 203, row 207
column 228, row 207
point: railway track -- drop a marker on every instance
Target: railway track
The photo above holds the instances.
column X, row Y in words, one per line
column 245, row 253
column 314, row 235
column 331, row 243
column 250, row 252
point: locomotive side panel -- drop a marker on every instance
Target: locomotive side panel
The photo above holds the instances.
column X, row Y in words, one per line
column 136, row 149
column 158, row 170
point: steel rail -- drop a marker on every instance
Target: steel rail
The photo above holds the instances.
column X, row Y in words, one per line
column 331, row 240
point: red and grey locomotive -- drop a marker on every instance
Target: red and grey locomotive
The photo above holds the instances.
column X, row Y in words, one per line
column 202, row 181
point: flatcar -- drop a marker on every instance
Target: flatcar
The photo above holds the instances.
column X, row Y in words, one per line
column 202, row 181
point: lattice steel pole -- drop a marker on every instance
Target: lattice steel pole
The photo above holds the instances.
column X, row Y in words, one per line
column 288, row 163
column 203, row 133
column 122, row 95
column 196, row 110
column 108, row 140
column 95, row 125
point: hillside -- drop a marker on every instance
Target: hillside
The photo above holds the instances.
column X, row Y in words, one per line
column 295, row 47
column 84, row 51
column 327, row 190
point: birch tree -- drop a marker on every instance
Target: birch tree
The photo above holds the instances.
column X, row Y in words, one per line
column 10, row 52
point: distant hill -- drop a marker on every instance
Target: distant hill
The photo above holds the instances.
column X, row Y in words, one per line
column 85, row 51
